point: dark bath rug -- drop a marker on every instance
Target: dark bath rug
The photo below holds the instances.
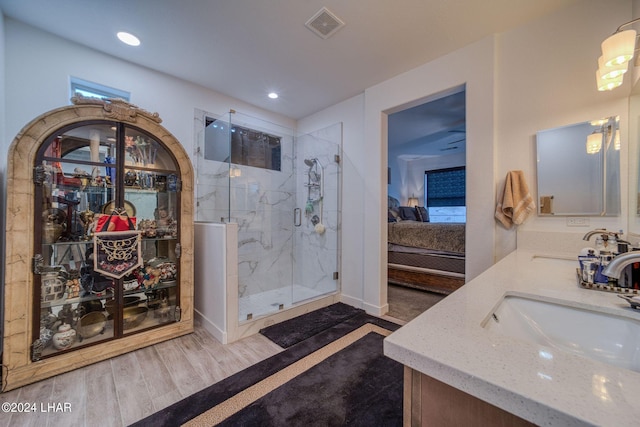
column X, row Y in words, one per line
column 292, row 331
column 353, row 385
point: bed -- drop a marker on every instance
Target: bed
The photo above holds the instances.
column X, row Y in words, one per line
column 424, row 255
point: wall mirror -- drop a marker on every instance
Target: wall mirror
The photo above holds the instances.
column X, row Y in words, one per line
column 578, row 168
column 634, row 160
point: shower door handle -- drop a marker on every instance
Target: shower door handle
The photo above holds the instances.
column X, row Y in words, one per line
column 297, row 217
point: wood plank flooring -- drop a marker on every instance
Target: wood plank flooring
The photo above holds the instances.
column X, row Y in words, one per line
column 125, row 389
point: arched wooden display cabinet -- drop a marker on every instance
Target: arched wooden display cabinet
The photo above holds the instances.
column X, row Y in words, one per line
column 66, row 168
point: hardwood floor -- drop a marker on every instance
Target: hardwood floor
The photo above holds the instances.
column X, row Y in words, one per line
column 407, row 303
column 125, row 389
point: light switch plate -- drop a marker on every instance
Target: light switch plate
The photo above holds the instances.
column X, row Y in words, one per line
column 577, row 222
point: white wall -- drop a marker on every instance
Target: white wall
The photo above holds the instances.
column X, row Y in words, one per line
column 365, row 168
column 544, row 76
column 38, row 67
column 355, row 172
column 546, row 73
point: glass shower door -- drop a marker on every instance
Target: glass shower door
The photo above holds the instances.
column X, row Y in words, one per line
column 261, row 195
column 317, row 232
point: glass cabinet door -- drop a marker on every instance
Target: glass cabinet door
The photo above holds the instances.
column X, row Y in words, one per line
column 151, row 191
column 86, row 175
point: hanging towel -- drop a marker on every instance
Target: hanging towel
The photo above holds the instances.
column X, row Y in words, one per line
column 515, row 203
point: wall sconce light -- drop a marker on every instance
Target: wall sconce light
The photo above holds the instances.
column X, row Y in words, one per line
column 413, row 202
column 617, row 51
column 608, row 84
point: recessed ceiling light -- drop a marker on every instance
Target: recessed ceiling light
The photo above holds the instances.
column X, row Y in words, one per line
column 273, row 95
column 128, row 38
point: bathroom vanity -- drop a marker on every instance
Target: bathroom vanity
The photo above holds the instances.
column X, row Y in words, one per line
column 571, row 360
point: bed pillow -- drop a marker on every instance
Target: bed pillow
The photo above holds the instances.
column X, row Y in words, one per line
column 391, row 217
column 407, row 213
column 422, row 214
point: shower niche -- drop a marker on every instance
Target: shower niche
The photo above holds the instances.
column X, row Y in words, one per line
column 282, row 193
column 315, row 193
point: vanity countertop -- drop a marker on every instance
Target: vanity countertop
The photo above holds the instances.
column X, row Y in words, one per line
column 546, row 386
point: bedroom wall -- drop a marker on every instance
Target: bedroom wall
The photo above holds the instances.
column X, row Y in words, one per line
column 407, row 176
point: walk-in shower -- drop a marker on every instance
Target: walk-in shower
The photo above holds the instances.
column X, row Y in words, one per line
column 283, row 193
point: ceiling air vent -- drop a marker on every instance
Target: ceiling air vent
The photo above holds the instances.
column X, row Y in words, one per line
column 324, row 23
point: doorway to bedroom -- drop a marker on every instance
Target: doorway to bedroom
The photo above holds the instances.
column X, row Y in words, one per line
column 426, row 197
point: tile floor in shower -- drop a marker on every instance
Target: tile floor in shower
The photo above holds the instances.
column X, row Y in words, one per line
column 270, row 301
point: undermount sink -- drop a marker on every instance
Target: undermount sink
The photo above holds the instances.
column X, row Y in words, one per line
column 589, row 333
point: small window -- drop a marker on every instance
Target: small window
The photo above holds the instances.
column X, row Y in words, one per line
column 242, row 146
column 95, row 90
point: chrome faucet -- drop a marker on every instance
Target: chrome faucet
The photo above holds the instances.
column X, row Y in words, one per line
column 604, row 232
column 619, row 262
column 594, row 232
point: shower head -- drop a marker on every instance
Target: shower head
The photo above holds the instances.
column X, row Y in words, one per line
column 310, row 162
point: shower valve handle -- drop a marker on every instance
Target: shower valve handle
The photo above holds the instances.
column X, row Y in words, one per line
column 297, row 217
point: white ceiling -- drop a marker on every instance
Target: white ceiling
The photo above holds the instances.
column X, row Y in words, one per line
column 247, row 48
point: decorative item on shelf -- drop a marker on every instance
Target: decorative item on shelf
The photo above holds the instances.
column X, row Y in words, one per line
column 45, row 336
column 52, row 285
column 168, row 270
column 164, row 311
column 83, row 176
column 130, row 178
column 47, row 318
column 87, row 219
column 128, row 301
column 149, row 277
column 64, row 338
column 148, row 228
column 109, row 207
column 172, row 182
column 91, row 324
column 73, row 284
column 66, row 315
column 162, row 216
column 53, row 226
column 116, row 245
column 155, row 298
column 161, row 183
column 36, row 350
column 91, row 281
column 140, row 150
column 90, row 306
column 111, row 171
column 133, row 316
column 130, row 283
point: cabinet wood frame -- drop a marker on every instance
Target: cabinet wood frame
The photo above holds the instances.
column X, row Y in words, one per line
column 18, row 369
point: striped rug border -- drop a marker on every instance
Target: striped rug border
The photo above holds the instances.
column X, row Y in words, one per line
column 249, row 395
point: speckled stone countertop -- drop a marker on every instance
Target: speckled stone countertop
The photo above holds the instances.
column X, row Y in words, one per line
column 449, row 343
